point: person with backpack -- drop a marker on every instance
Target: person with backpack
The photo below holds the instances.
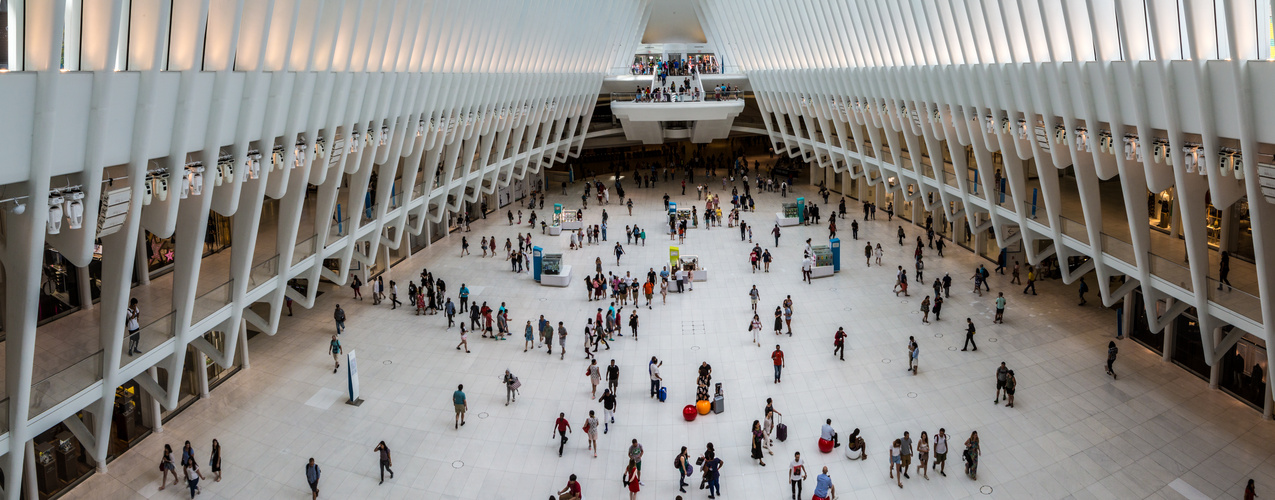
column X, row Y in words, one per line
column 684, row 468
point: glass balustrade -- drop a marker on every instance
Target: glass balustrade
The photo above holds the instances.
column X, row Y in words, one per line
column 1239, row 301
column 303, row 250
column 1074, row 229
column 211, row 301
column 149, row 337
column 1170, row 271
column 1118, row 249
column 58, row 387
column 262, row 272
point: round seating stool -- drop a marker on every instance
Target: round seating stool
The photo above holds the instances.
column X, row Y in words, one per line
column 704, row 407
column 825, row 445
column 689, row 413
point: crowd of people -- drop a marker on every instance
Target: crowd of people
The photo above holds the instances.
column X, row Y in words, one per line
column 620, row 289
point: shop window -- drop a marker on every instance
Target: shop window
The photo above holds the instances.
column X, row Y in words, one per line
column 1241, row 235
column 59, row 288
column 1243, row 372
column 60, row 461
column 1188, row 349
column 127, row 425
column 159, row 252
column 1140, row 331
column 216, row 373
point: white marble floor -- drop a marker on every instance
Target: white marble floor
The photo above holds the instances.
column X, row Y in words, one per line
column 1074, row 433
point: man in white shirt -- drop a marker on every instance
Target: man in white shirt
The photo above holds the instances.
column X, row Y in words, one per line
column 796, row 474
column 654, row 367
column 806, row 265
column 827, row 434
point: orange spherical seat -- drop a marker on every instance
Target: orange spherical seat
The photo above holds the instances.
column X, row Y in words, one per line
column 704, row 407
column 825, row 445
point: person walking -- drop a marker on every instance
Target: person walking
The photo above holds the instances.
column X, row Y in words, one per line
column 132, row 318
column 595, row 376
column 925, row 310
column 633, row 324
column 561, row 428
column 1084, row 288
column 166, row 467
column 214, row 461
column 867, row 254
column 775, row 232
column 923, row 456
column 824, row 490
column 339, row 316
column 947, row 285
column 356, row 284
column 394, row 302
column 1249, row 491
column 969, row 335
column 766, row 258
column 386, row 461
column 334, row 348
column 562, row 340
column 779, row 320
column 896, row 461
column 778, row 358
column 972, row 452
column 464, row 244
column 1014, row 279
column 1111, row 358
column 511, row 387
column 654, row 368
column 940, row 452
column 608, row 409
column 755, row 328
column 905, row 454
column 613, row 377
column 458, row 402
column 619, row 250
column 1031, row 280
column 1010, row 384
column 788, row 314
column 1002, row 375
column 938, row 307
column 807, row 264
column 450, row 311
column 839, row 343
column 591, row 430
column 759, row 437
column 1223, row 273
column 796, row 474
column 754, row 295
column 880, row 253
column 193, row 475
column 312, row 473
column 1000, row 308
column 464, row 339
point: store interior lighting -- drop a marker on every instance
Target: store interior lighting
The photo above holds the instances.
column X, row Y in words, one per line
column 55, row 213
column 74, row 209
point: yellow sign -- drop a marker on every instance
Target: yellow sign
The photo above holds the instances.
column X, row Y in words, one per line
column 673, row 254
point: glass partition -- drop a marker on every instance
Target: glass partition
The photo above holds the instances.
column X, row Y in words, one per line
column 60, row 386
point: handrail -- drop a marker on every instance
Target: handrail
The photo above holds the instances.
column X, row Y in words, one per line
column 60, row 386
column 151, row 336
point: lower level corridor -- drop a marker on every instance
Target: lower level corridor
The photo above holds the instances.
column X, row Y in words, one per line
column 1074, row 432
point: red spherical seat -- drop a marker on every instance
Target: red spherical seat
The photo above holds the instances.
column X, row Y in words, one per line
column 825, row 445
column 689, row 413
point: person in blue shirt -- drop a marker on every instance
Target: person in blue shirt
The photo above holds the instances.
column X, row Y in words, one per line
column 464, row 296
column 824, row 490
column 458, row 400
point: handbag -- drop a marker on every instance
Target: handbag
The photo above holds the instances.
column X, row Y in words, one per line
column 516, row 385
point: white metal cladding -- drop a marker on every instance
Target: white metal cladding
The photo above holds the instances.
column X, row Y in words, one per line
column 980, row 77
column 460, row 97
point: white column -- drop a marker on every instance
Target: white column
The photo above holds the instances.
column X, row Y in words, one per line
column 1215, row 371
column 142, row 266
column 243, row 344
column 201, row 372
column 156, row 412
column 85, row 288
column 29, row 480
column 1167, row 355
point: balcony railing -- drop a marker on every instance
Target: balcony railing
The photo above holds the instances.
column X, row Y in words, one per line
column 60, row 386
column 1074, row 229
column 1243, row 303
column 1172, row 272
column 303, row 250
column 211, row 301
column 150, row 337
column 262, row 272
column 1121, row 250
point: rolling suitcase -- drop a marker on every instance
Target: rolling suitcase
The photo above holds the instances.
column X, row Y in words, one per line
column 663, row 394
column 719, row 404
column 781, row 432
